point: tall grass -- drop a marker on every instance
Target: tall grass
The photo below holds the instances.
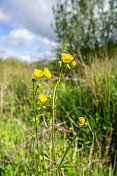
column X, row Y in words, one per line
column 90, row 90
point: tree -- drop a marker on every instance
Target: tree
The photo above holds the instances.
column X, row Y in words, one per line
column 85, row 24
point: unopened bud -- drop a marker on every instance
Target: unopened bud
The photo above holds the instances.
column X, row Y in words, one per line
column 44, row 107
column 38, row 85
column 38, row 102
column 33, row 79
column 86, row 123
column 59, row 63
column 49, row 97
column 68, row 66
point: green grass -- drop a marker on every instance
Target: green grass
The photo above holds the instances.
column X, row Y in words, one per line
column 88, row 90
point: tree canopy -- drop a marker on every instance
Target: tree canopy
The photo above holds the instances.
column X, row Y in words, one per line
column 86, row 24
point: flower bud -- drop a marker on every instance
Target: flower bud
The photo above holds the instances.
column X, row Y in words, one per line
column 86, row 123
column 38, row 102
column 49, row 97
column 43, row 107
column 33, row 79
column 38, row 86
column 68, row 66
column 59, row 63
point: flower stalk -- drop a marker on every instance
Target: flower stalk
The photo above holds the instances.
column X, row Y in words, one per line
column 35, row 115
column 53, row 113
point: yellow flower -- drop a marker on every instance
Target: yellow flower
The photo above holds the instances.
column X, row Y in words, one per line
column 73, row 63
column 67, row 58
column 47, row 72
column 42, row 98
column 81, row 120
column 70, row 128
column 38, row 73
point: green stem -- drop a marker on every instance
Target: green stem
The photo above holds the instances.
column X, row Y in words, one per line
column 53, row 112
column 68, row 148
column 34, row 107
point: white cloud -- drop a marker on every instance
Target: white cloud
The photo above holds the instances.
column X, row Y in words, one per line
column 35, row 15
column 6, row 53
column 18, row 37
column 31, row 37
column 26, row 57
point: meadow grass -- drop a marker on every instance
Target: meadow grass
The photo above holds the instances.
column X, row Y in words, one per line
column 88, row 90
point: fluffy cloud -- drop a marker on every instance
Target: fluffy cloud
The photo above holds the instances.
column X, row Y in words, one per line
column 6, row 53
column 19, row 37
column 26, row 56
column 35, row 15
column 26, row 32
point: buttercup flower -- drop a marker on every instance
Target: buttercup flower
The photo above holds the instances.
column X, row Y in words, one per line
column 42, row 98
column 38, row 73
column 73, row 63
column 67, row 58
column 47, row 72
column 70, row 128
column 81, row 120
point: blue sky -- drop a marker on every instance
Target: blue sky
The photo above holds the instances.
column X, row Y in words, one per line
column 25, row 30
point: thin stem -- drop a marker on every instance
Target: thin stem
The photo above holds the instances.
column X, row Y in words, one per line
column 53, row 112
column 68, row 148
column 34, row 107
column 39, row 160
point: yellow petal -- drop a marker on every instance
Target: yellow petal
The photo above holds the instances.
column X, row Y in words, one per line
column 47, row 72
column 73, row 63
column 42, row 98
column 81, row 120
column 38, row 73
column 67, row 58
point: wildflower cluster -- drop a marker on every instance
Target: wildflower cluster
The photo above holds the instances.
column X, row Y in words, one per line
column 64, row 63
column 39, row 74
column 68, row 58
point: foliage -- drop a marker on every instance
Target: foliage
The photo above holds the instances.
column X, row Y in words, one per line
column 85, row 25
column 89, row 90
